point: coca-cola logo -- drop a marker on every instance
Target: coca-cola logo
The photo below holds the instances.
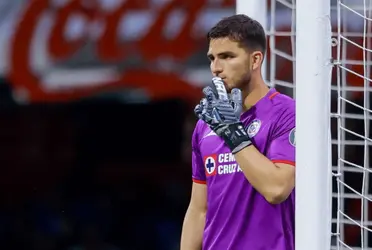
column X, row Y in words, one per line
column 101, row 25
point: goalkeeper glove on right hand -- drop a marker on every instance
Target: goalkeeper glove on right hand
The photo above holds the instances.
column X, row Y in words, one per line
column 222, row 114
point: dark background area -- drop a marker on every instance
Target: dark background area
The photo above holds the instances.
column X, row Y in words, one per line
column 102, row 174
column 93, row 172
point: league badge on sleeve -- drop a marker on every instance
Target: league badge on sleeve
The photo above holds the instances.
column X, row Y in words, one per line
column 292, row 137
column 253, row 128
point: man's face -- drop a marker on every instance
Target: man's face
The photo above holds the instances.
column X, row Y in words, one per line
column 230, row 61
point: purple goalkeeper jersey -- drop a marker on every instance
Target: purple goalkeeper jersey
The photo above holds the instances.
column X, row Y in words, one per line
column 238, row 217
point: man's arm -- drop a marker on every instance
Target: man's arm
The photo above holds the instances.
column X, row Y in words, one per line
column 272, row 175
column 194, row 222
column 275, row 181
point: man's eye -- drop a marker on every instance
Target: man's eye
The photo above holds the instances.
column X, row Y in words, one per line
column 226, row 56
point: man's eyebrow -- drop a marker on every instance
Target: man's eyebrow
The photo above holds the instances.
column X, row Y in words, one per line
column 209, row 55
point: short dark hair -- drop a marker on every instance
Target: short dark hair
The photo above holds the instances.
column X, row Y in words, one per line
column 242, row 29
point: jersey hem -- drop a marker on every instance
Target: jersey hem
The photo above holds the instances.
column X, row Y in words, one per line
column 293, row 163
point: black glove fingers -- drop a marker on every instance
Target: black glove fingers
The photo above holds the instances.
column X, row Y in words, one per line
column 198, row 111
column 209, row 94
column 220, row 88
column 236, row 95
column 236, row 101
column 222, row 115
column 200, row 108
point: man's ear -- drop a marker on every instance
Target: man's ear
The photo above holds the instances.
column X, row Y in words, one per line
column 257, row 59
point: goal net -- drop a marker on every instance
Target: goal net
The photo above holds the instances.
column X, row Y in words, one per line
column 352, row 139
column 350, row 108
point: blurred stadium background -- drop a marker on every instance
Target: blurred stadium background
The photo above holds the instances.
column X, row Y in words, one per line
column 96, row 101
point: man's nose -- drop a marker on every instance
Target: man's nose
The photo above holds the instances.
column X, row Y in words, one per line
column 216, row 68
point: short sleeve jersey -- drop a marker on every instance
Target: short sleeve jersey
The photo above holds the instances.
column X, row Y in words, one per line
column 238, row 217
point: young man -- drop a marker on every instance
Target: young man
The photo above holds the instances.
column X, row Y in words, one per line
column 243, row 147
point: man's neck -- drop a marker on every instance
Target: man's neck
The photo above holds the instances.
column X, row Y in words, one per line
column 257, row 90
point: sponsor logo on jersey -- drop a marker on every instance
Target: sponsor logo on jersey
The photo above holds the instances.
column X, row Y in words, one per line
column 210, row 163
column 253, row 128
column 292, row 137
column 221, row 164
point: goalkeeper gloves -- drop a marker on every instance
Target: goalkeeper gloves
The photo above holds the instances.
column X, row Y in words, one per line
column 222, row 114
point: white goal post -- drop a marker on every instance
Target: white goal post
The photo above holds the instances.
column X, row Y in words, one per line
column 312, row 81
column 313, row 99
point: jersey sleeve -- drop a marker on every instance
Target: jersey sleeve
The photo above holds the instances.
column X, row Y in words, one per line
column 282, row 146
column 198, row 172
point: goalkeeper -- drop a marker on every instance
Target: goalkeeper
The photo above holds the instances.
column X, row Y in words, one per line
column 243, row 150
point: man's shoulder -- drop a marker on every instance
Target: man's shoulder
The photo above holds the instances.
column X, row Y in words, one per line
column 201, row 128
column 284, row 103
column 283, row 108
column 282, row 113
